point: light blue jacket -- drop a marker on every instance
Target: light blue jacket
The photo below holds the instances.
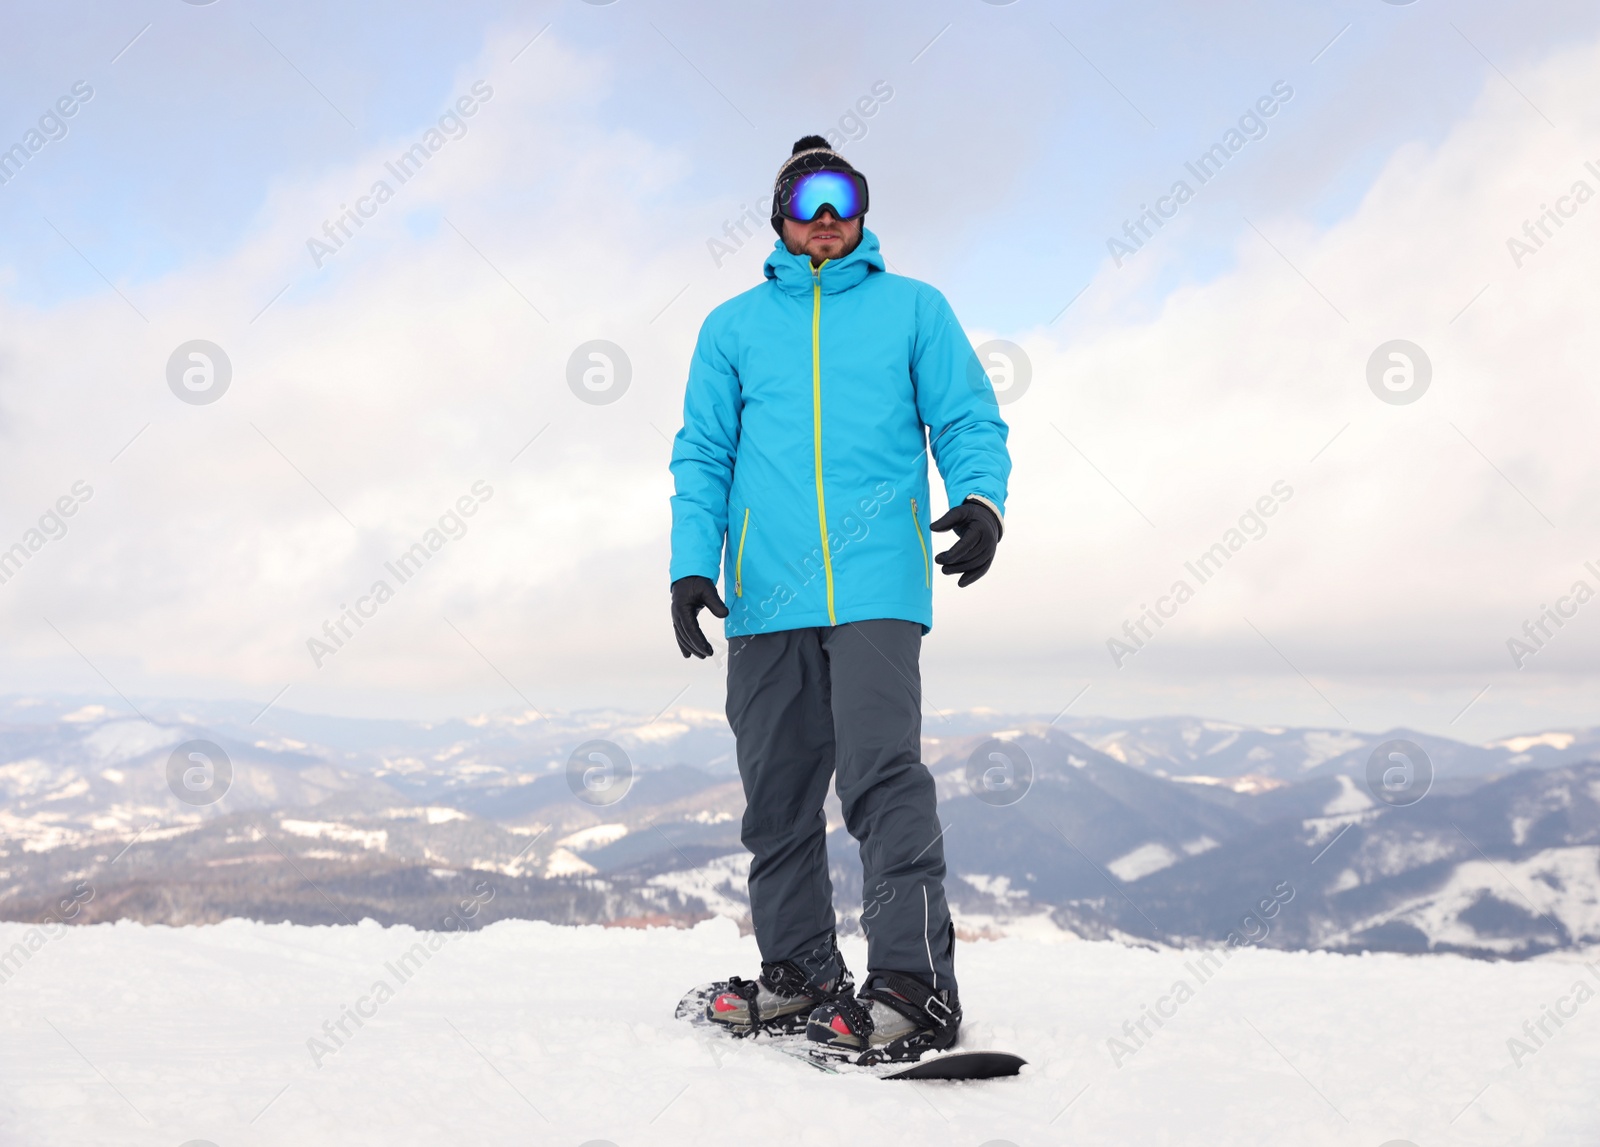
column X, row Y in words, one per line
column 811, row 404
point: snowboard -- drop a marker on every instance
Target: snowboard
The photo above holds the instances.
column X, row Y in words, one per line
column 792, row 1042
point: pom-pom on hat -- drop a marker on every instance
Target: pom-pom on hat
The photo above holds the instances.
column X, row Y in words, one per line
column 811, row 153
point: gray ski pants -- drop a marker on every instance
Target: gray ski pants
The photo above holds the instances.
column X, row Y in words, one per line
column 804, row 704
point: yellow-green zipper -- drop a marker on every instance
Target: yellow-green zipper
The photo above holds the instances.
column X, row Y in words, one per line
column 917, row 522
column 738, row 562
column 816, row 426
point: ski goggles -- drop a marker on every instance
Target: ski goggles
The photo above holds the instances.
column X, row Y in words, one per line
column 802, row 196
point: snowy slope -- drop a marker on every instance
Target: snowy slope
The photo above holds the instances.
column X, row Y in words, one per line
column 532, row 1033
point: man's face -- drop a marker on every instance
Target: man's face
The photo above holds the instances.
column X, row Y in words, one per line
column 825, row 237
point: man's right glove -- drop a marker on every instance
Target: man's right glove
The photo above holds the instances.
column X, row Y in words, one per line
column 688, row 595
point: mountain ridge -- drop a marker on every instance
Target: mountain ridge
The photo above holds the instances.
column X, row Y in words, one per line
column 1108, row 828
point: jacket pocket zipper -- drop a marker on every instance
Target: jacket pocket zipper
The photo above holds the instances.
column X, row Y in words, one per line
column 917, row 522
column 738, row 562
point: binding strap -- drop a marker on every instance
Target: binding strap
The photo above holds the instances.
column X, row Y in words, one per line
column 914, row 999
column 785, row 979
column 747, row 990
column 819, row 974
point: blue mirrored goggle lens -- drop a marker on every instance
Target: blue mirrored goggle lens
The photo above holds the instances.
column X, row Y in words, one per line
column 844, row 192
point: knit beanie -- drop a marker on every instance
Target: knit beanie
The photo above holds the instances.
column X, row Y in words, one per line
column 811, row 153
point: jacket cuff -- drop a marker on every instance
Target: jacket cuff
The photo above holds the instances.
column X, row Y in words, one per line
column 981, row 500
column 681, row 567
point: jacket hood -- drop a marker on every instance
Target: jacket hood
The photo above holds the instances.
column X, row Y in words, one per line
column 793, row 272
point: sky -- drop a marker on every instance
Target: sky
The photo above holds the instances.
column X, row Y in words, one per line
column 382, row 377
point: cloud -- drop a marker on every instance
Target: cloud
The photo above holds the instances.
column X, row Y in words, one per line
column 364, row 402
column 433, row 346
column 1410, row 546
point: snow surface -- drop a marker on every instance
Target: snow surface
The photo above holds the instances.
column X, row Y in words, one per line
column 528, row 1033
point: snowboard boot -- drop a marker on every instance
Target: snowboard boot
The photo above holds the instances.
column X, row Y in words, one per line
column 780, row 1000
column 895, row 1017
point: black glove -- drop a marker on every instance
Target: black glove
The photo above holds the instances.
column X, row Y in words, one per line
column 979, row 530
column 688, row 595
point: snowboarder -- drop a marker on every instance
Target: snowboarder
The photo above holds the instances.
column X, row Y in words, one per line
column 801, row 476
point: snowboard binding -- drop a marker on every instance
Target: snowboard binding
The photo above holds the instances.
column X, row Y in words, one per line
column 895, row 1018
column 781, row 999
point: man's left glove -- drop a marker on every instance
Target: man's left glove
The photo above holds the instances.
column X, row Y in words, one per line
column 978, row 529
column 688, row 595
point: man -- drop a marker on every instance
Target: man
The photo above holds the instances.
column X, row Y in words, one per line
column 812, row 404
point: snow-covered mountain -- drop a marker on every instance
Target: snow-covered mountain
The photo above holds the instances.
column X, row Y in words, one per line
column 1192, row 747
column 1510, row 867
column 1161, row 831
